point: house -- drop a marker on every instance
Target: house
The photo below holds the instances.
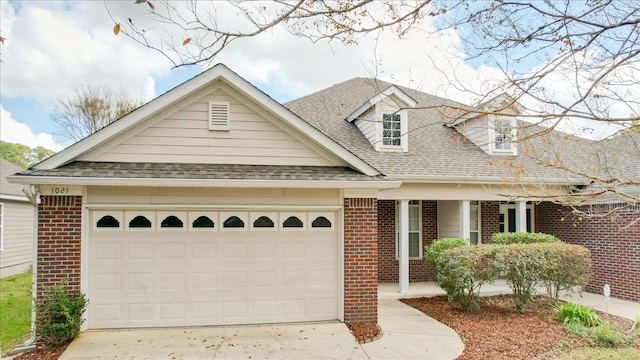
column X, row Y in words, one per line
column 215, row 204
column 16, row 224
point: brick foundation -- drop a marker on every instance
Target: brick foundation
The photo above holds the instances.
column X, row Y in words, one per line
column 388, row 267
column 360, row 260
column 59, row 233
column 615, row 251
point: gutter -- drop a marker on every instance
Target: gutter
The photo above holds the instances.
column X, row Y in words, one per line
column 224, row 183
column 34, row 199
column 482, row 180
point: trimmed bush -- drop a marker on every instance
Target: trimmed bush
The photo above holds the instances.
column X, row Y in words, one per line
column 522, row 238
column 431, row 252
column 521, row 265
column 59, row 315
column 567, row 266
column 462, row 270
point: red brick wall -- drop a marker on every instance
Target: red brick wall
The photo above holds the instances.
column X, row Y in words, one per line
column 59, row 230
column 489, row 219
column 388, row 267
column 360, row 260
column 615, row 251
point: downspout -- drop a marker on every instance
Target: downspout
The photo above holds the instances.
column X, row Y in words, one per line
column 34, row 198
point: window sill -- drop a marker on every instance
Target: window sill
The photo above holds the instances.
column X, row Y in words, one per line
column 391, row 148
column 503, row 152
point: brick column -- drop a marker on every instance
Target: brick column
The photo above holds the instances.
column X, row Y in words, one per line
column 59, row 233
column 360, row 260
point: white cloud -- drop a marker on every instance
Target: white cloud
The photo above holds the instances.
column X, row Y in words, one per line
column 54, row 47
column 14, row 131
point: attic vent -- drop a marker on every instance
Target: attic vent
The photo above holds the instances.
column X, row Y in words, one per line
column 219, row 115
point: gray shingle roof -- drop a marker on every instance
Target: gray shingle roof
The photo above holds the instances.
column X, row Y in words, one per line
column 202, row 171
column 434, row 149
column 8, row 168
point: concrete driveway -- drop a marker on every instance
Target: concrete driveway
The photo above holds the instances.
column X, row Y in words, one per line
column 288, row 341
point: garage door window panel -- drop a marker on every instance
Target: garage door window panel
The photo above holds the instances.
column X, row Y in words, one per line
column 321, row 221
column 140, row 221
column 107, row 221
column 234, row 221
column 292, row 222
column 171, row 221
column 263, row 221
column 203, row 221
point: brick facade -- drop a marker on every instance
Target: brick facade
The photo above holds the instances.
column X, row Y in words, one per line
column 360, row 260
column 388, row 267
column 615, row 251
column 489, row 219
column 59, row 233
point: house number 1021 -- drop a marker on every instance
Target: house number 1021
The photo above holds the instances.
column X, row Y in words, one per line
column 60, row 190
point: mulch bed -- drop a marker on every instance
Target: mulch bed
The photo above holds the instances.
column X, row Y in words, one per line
column 365, row 332
column 498, row 331
column 51, row 353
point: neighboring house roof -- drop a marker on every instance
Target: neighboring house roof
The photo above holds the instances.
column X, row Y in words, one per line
column 7, row 190
column 436, row 152
column 105, row 173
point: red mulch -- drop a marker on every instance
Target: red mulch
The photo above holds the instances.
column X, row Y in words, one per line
column 498, row 331
column 52, row 353
column 365, row 332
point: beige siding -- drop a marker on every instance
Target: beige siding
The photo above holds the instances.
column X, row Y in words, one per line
column 477, row 131
column 183, row 136
column 367, row 125
column 448, row 219
column 212, row 197
column 17, row 252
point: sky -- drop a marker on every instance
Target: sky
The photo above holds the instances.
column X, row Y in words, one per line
column 54, row 47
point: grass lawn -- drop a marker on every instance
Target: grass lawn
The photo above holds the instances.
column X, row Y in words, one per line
column 15, row 310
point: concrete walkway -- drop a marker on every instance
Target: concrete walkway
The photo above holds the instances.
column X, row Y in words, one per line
column 410, row 334
column 407, row 334
column 622, row 308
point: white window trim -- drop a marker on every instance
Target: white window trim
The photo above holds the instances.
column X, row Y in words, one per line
column 504, row 210
column 513, row 150
column 419, row 230
column 479, row 220
column 381, row 109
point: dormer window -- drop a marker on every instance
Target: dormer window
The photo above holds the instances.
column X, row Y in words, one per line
column 384, row 120
column 391, row 130
column 502, row 135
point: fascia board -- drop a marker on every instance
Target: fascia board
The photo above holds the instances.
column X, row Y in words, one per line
column 482, row 180
column 13, row 197
column 225, row 183
column 393, row 90
column 293, row 120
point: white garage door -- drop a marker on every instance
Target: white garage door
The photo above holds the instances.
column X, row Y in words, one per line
column 178, row 268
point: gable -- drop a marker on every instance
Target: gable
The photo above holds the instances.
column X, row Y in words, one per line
column 184, row 135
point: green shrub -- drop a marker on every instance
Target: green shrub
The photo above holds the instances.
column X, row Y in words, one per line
column 433, row 251
column 59, row 315
column 567, row 266
column 574, row 313
column 521, row 265
column 522, row 238
column 461, row 271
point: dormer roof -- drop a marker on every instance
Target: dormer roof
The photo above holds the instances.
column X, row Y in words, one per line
column 392, row 91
